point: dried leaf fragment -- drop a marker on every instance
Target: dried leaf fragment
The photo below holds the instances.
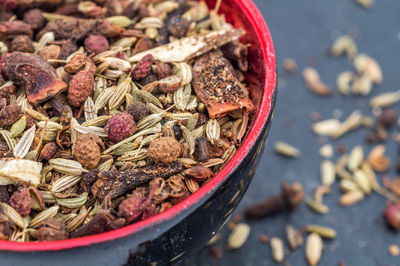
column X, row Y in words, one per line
column 190, row 47
column 314, row 82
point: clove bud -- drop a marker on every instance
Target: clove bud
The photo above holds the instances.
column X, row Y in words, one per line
column 289, row 198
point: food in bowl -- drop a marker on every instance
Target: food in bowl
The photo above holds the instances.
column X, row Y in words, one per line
column 113, row 112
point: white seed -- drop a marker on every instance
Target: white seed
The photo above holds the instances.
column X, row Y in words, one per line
column 355, row 158
column 314, row 82
column 277, row 250
column 368, row 66
column 385, row 99
column 326, row 127
column 239, row 235
column 351, row 197
column 286, row 149
column 362, row 85
column 347, row 185
column 313, row 250
column 362, row 181
column 344, row 44
column 327, row 173
column 343, row 81
column 326, row 151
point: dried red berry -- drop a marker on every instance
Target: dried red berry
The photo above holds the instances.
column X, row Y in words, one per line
column 34, row 17
column 392, row 215
column 164, row 150
column 120, row 126
column 143, row 67
column 67, row 48
column 80, row 88
column 136, row 206
column 15, row 27
column 21, row 201
column 96, row 44
column 21, row 43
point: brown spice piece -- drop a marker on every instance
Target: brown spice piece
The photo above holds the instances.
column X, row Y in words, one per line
column 215, row 251
column 48, row 151
column 289, row 198
column 387, row 118
column 21, row 43
column 79, row 29
column 201, row 151
column 143, row 45
column 163, row 69
column 215, row 84
column 6, row 226
column 88, row 179
column 148, row 79
column 34, row 18
column 15, row 27
column 50, row 52
column 164, row 150
column 76, row 63
column 264, row 239
column 52, row 229
column 34, row 74
column 6, row 92
column 80, row 88
column 170, row 84
column 238, row 53
column 4, row 196
column 113, row 184
column 9, row 115
column 136, row 206
column 137, row 110
column 67, row 48
column 87, row 150
column 395, row 186
column 104, row 221
column 198, row 173
column 178, row 26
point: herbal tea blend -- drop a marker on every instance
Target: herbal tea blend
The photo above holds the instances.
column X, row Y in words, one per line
column 113, row 111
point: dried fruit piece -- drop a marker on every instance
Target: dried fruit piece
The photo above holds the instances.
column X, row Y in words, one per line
column 170, row 84
column 80, row 88
column 21, row 43
column 52, row 229
column 164, row 150
column 215, row 84
column 34, row 74
column 87, row 150
column 377, row 160
column 198, row 173
column 143, row 67
column 120, row 127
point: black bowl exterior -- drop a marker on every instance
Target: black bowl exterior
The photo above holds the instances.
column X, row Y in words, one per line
column 170, row 241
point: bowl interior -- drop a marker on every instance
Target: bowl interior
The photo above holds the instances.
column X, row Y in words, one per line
column 261, row 80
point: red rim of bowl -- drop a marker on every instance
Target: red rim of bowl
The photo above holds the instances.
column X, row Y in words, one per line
column 258, row 24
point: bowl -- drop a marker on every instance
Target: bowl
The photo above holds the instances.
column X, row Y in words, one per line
column 184, row 229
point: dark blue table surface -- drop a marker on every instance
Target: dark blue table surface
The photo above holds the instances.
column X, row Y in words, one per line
column 304, row 30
